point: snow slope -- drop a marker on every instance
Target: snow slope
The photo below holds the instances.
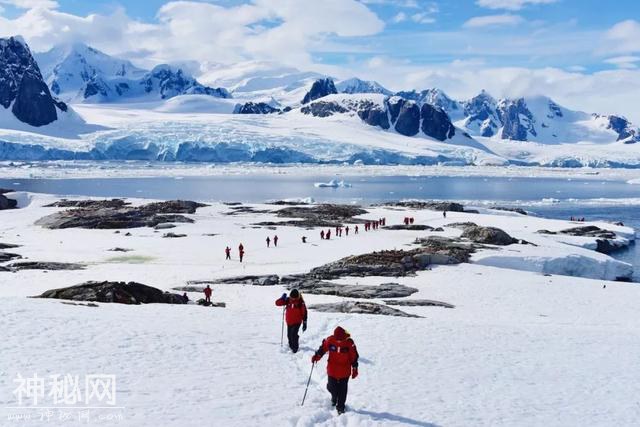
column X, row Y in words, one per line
column 519, row 348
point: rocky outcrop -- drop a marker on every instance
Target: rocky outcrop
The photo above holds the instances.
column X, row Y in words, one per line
column 444, row 250
column 410, row 227
column 256, row 108
column 45, row 265
column 170, row 82
column 384, row 290
column 324, row 215
column 319, row 89
column 90, row 204
column 480, row 112
column 7, row 203
column 419, row 303
column 487, row 235
column 517, row 120
column 323, row 109
column 255, row 280
column 436, row 123
column 22, row 87
column 116, row 215
column 172, row 235
column 408, row 118
column 507, row 209
column 360, row 307
column 374, row 116
column 206, row 303
column 8, row 256
column 605, row 239
column 625, row 130
column 114, row 292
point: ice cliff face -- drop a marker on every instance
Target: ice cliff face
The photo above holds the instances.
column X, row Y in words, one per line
column 22, row 88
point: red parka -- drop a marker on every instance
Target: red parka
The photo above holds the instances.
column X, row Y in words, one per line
column 343, row 354
column 296, row 311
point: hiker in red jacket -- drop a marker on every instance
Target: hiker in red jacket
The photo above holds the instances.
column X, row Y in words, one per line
column 328, row 235
column 295, row 315
column 207, row 293
column 275, row 241
column 356, row 230
column 343, row 363
column 227, row 251
column 321, row 234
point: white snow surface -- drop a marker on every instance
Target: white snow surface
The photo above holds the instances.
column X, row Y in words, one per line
column 519, row 348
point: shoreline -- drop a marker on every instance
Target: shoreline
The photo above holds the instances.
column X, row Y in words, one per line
column 128, row 169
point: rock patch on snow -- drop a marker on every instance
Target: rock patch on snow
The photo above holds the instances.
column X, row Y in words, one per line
column 384, row 290
column 114, row 292
column 488, row 235
column 112, row 214
column 419, row 303
column 360, row 307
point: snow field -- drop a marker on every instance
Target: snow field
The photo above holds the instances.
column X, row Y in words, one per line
column 519, row 348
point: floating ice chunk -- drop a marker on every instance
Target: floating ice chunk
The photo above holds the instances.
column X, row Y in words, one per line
column 334, row 183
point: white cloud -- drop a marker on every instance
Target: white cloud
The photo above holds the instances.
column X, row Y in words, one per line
column 400, row 17
column 511, row 4
column 423, row 18
column 28, row 4
column 628, row 62
column 624, row 37
column 493, row 21
column 278, row 30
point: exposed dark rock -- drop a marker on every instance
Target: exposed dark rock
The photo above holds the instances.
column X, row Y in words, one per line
column 115, row 292
column 319, row 89
column 255, row 280
column 488, row 235
column 384, row 290
column 120, row 250
column 90, row 204
column 8, row 246
column 8, row 256
column 96, row 216
column 239, row 210
column 375, row 116
column 360, row 307
column 90, row 304
column 164, row 226
column 436, row 123
column 408, row 122
column 604, row 243
column 45, row 265
column 256, row 108
column 5, row 190
column 462, row 225
column 7, row 203
column 206, row 303
column 325, row 215
column 323, row 109
column 411, row 227
column 419, row 303
column 190, row 288
column 173, row 235
column 502, row 208
column 288, row 203
column 22, row 87
column 443, row 250
column 431, row 205
column 516, row 119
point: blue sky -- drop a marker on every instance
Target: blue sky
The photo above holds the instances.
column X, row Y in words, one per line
column 585, row 53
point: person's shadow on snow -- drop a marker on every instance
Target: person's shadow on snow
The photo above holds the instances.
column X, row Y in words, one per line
column 385, row 416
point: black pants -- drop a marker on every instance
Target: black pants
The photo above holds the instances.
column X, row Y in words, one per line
column 338, row 389
column 292, row 334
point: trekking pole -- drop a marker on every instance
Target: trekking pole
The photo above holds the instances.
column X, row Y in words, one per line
column 282, row 328
column 308, row 382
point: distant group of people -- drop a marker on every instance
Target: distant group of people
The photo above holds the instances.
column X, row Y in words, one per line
column 369, row 225
column 275, row 241
column 227, row 252
column 408, row 220
column 573, row 218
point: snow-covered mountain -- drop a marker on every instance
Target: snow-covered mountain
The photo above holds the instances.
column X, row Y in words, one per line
column 26, row 104
column 79, row 73
column 537, row 119
column 356, row 85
